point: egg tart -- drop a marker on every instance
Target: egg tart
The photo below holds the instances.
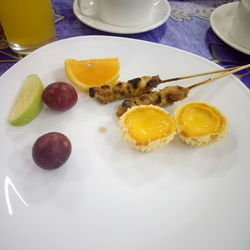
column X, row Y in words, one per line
column 147, row 127
column 200, row 124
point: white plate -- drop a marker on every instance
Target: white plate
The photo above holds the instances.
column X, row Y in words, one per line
column 108, row 196
column 221, row 19
column 158, row 16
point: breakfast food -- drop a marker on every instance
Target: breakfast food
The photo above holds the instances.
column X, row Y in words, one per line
column 120, row 90
column 199, row 123
column 147, row 127
column 139, row 90
column 28, row 103
column 94, row 72
column 60, row 96
column 51, row 150
column 143, row 123
column 164, row 97
column 137, row 86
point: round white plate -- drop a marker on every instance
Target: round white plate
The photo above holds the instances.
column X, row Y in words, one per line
column 221, row 19
column 158, row 16
column 107, row 195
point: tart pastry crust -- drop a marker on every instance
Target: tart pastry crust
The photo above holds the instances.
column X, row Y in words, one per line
column 147, row 127
column 199, row 123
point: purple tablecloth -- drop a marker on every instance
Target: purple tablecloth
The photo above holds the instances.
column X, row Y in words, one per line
column 188, row 28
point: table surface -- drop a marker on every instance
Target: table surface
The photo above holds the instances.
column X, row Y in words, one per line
column 188, row 28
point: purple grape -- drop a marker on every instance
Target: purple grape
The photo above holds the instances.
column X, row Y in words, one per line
column 51, row 150
column 60, row 96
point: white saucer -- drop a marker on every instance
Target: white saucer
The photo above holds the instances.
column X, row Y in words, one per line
column 159, row 15
column 220, row 21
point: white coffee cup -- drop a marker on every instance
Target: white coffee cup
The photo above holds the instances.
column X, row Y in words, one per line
column 240, row 27
column 118, row 12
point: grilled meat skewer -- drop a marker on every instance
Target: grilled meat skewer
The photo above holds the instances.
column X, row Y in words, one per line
column 164, row 97
column 168, row 95
column 135, row 87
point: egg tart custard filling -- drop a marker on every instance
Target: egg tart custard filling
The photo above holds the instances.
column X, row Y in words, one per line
column 199, row 123
column 147, row 127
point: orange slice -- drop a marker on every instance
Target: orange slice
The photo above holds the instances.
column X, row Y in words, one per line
column 92, row 73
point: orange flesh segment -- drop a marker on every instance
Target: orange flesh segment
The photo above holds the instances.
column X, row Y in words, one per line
column 148, row 124
column 200, row 120
column 93, row 72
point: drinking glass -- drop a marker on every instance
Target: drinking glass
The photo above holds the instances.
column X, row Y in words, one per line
column 27, row 24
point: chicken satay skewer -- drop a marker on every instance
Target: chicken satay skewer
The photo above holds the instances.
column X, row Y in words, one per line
column 135, row 87
column 167, row 95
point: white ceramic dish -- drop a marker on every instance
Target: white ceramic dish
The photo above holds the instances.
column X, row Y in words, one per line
column 108, row 196
column 159, row 15
column 220, row 20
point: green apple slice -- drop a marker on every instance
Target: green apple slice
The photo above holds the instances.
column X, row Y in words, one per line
column 28, row 103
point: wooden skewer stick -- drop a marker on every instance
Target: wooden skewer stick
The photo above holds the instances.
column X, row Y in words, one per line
column 196, row 75
column 233, row 70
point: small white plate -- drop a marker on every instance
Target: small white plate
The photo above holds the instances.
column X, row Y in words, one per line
column 220, row 20
column 159, row 15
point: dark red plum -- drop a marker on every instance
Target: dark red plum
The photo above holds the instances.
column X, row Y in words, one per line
column 60, row 96
column 50, row 151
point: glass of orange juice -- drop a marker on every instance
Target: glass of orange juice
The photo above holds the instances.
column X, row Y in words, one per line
column 27, row 24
